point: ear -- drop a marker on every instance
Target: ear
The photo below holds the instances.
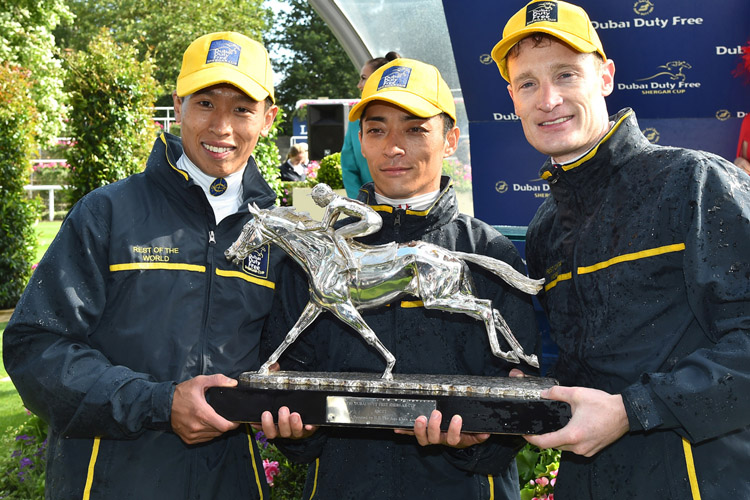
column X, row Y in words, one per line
column 451, row 142
column 608, row 77
column 253, row 209
column 177, row 101
column 268, row 120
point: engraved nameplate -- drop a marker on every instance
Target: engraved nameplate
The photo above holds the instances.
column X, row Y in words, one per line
column 384, row 412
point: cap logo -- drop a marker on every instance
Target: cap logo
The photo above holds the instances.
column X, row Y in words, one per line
column 395, row 76
column 541, row 12
column 223, row 51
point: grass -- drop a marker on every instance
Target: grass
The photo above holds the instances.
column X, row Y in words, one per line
column 45, row 232
column 12, row 411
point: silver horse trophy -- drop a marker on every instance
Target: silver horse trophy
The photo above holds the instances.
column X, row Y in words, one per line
column 382, row 274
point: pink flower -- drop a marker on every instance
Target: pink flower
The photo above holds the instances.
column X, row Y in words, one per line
column 544, row 481
column 554, row 480
column 271, row 469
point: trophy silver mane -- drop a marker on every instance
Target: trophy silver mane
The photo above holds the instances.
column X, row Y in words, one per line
column 383, row 273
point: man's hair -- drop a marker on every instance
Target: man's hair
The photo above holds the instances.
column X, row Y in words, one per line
column 379, row 62
column 448, row 123
column 539, row 39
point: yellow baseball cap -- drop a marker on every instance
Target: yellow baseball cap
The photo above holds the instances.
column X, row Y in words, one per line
column 226, row 57
column 410, row 84
column 563, row 20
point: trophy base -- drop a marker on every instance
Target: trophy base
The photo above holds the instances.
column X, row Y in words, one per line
column 499, row 405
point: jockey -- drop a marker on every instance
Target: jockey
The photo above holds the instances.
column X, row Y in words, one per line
column 369, row 220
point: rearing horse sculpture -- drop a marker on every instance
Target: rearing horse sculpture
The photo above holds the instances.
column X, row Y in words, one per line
column 440, row 277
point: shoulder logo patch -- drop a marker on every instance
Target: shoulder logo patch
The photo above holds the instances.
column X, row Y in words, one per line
column 257, row 262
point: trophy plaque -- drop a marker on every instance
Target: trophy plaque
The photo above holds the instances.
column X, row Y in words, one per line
column 345, row 276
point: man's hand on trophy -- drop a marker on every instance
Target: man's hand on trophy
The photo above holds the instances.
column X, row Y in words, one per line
column 289, row 425
column 428, row 432
column 192, row 418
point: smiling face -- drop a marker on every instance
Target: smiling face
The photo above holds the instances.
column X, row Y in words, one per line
column 558, row 94
column 404, row 152
column 220, row 126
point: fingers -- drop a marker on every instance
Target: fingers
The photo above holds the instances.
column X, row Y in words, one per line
column 549, row 440
column 453, row 437
column 516, row 373
column 192, row 418
column 289, row 425
column 268, row 426
column 560, row 393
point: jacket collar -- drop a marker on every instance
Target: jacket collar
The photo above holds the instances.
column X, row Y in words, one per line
column 162, row 167
column 410, row 224
column 616, row 147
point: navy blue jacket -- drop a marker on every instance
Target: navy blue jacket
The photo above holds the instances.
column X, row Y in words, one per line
column 361, row 463
column 134, row 296
column 645, row 254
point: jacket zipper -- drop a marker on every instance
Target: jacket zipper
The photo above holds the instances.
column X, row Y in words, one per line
column 397, row 224
column 209, row 285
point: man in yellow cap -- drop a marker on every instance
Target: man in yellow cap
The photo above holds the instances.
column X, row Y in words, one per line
column 647, row 292
column 140, row 313
column 407, row 116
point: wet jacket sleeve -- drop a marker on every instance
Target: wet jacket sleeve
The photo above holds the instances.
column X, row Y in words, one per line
column 704, row 394
column 46, row 349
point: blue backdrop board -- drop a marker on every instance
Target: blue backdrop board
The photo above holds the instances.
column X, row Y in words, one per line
column 673, row 60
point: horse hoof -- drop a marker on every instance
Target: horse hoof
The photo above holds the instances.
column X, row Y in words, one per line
column 532, row 360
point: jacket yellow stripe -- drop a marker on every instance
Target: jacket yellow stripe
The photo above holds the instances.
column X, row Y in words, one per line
column 408, row 304
column 696, row 494
column 678, row 247
column 246, row 277
column 492, row 486
column 382, row 208
column 249, row 433
column 166, row 154
column 90, row 474
column 315, row 479
column 592, row 153
column 156, row 265
column 554, row 282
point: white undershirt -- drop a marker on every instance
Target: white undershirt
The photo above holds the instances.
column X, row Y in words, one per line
column 418, row 203
column 223, row 205
column 611, row 124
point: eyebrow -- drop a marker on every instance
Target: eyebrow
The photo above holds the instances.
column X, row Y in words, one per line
column 241, row 96
column 406, row 118
column 556, row 68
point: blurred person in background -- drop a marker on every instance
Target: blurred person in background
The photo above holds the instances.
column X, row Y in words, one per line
column 295, row 166
column 354, row 170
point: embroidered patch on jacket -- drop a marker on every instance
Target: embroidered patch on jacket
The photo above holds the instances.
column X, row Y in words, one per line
column 223, row 51
column 541, row 12
column 257, row 263
column 395, row 76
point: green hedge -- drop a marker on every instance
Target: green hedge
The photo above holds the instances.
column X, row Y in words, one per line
column 18, row 116
column 110, row 94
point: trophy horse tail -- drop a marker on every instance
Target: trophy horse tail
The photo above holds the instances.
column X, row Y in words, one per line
column 504, row 271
